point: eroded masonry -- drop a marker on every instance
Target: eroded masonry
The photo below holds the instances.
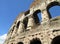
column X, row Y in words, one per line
column 27, row 29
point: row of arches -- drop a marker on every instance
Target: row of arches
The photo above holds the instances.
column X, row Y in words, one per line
column 25, row 21
column 56, row 40
column 52, row 10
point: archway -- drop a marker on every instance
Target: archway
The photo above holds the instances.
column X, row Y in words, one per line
column 53, row 9
column 11, row 43
column 20, row 43
column 25, row 22
column 18, row 24
column 37, row 16
column 35, row 41
column 56, row 40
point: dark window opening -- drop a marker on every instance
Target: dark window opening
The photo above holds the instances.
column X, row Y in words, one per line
column 27, row 12
column 37, row 16
column 35, row 41
column 12, row 30
column 11, row 43
column 20, row 43
column 18, row 24
column 25, row 22
column 56, row 40
column 53, row 9
column 13, row 26
column 56, row 30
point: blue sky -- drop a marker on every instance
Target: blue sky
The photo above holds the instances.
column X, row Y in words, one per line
column 9, row 10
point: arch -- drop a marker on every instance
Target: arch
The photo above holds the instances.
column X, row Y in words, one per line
column 55, row 11
column 18, row 24
column 55, row 3
column 56, row 40
column 20, row 43
column 37, row 16
column 25, row 22
column 13, row 26
column 35, row 41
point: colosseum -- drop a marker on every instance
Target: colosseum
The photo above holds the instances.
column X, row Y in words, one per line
column 28, row 29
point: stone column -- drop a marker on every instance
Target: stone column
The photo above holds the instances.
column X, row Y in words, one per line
column 45, row 19
column 21, row 27
column 14, row 32
column 31, row 22
column 45, row 15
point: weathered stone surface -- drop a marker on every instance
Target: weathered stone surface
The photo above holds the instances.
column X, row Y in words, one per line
column 27, row 28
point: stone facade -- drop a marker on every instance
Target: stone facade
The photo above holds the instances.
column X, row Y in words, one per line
column 27, row 29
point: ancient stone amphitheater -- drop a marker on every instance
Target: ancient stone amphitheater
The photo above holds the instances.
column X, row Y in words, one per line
column 27, row 29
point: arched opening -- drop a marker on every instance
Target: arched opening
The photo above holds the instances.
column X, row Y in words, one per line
column 25, row 22
column 13, row 26
column 56, row 40
column 18, row 24
column 20, row 43
column 35, row 41
column 37, row 16
column 11, row 43
column 53, row 9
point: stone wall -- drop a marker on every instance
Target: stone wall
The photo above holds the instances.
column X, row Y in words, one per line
column 26, row 28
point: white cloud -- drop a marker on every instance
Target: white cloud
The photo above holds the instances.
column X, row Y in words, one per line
column 2, row 38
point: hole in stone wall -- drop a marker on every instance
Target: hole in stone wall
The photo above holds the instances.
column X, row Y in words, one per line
column 35, row 41
column 13, row 26
column 37, row 16
column 53, row 9
column 25, row 22
column 18, row 24
column 20, row 43
column 12, row 30
column 11, row 43
column 56, row 40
